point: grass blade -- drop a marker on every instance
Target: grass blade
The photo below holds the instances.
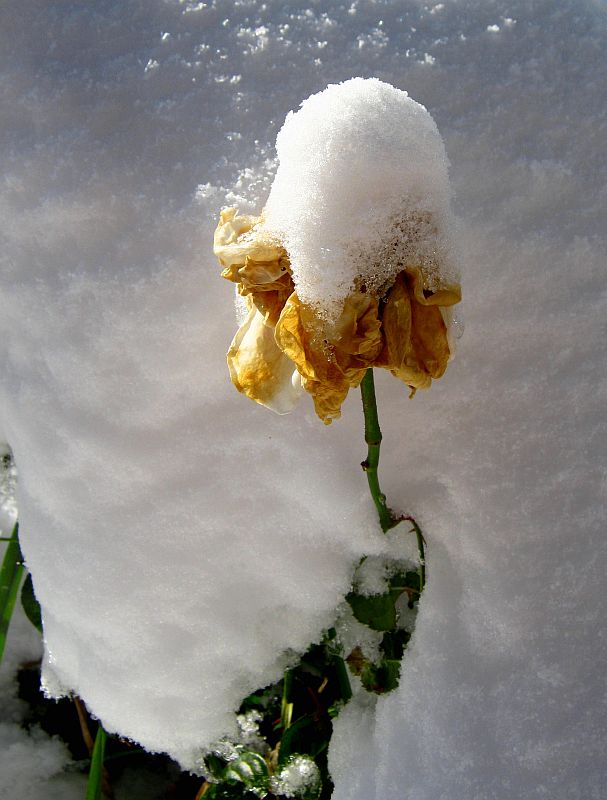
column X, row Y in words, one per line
column 10, row 580
column 93, row 787
column 30, row 605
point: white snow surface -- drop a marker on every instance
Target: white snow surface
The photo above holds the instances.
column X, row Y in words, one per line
column 32, row 764
column 361, row 191
column 181, row 538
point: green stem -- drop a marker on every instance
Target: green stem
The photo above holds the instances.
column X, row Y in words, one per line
column 422, row 552
column 373, row 439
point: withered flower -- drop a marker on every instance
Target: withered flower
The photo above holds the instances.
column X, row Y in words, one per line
column 285, row 345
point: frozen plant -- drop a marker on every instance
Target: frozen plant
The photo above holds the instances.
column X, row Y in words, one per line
column 349, row 266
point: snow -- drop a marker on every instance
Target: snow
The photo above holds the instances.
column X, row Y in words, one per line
column 31, row 763
column 182, row 539
column 299, row 775
column 8, row 488
column 361, row 191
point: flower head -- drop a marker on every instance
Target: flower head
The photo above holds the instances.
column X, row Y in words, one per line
column 351, row 264
column 286, row 345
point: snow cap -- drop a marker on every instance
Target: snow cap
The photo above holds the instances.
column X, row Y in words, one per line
column 361, row 191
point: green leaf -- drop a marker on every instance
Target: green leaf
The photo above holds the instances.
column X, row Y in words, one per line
column 258, row 700
column 393, row 644
column 214, row 765
column 93, row 787
column 384, row 676
column 227, row 791
column 408, row 582
column 286, row 707
column 30, row 605
column 308, row 736
column 343, row 680
column 11, row 573
column 376, row 611
column 251, row 770
column 381, row 678
column 291, row 738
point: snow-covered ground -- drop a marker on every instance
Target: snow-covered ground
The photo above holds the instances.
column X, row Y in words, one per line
column 181, row 538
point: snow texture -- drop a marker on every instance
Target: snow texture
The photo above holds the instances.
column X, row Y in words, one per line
column 31, row 763
column 361, row 191
column 8, row 489
column 181, row 538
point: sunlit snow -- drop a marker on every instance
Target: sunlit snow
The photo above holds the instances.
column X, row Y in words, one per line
column 184, row 542
column 361, row 191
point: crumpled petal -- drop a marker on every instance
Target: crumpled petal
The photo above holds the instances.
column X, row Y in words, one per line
column 236, row 237
column 416, row 346
column 330, row 360
column 256, row 263
column 259, row 369
column 268, row 283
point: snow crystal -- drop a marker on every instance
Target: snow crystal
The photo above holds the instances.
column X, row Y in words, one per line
column 360, row 192
column 297, row 778
column 248, row 731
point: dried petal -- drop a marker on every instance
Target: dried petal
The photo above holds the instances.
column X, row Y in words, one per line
column 330, row 360
column 259, row 369
column 237, row 236
column 416, row 344
column 257, row 264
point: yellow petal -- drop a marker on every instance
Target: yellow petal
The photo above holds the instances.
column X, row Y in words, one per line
column 269, row 285
column 396, row 324
column 259, row 369
column 265, row 275
column 330, row 359
column 293, row 339
column 445, row 296
column 238, row 236
column 416, row 343
column 232, row 226
column 254, row 261
column 357, row 332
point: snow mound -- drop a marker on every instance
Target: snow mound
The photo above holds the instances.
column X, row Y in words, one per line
column 361, row 191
